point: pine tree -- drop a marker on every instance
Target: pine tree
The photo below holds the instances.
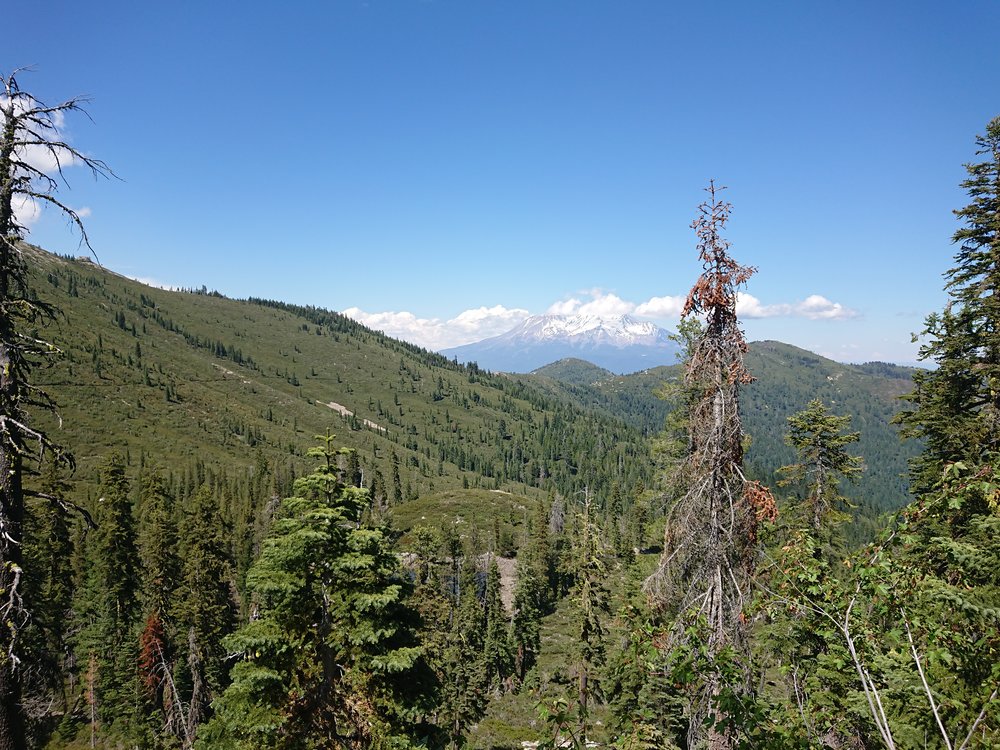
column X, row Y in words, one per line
column 591, row 599
column 465, row 682
column 525, row 633
column 496, row 644
column 807, row 582
column 531, row 594
column 956, row 404
column 330, row 660
column 950, row 537
column 821, row 445
column 205, row 612
column 48, row 554
column 117, row 568
column 157, row 541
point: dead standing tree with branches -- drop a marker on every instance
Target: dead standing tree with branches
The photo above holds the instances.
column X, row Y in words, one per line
column 710, row 541
column 32, row 158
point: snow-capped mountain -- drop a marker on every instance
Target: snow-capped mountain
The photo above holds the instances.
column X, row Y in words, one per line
column 619, row 344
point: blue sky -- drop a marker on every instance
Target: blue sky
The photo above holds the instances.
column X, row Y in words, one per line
column 442, row 168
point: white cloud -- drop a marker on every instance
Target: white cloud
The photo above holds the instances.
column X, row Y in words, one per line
column 602, row 304
column 565, row 307
column 661, row 307
column 483, row 322
column 813, row 307
column 148, row 281
column 607, row 305
column 26, row 210
column 816, row 306
column 480, row 323
column 435, row 334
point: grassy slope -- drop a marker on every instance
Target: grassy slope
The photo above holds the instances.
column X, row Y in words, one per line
column 175, row 377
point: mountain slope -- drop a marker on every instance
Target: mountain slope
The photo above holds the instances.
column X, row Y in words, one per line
column 575, row 371
column 787, row 379
column 618, row 344
column 187, row 380
column 181, row 379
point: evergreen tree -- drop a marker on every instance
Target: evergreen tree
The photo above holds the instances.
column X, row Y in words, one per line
column 330, row 659
column 157, row 540
column 205, row 612
column 465, row 683
column 48, row 553
column 591, row 599
column 496, row 644
column 949, row 538
column 956, row 404
column 117, row 567
column 353, row 476
column 531, row 594
column 645, row 704
column 820, row 443
column 525, row 634
column 820, row 697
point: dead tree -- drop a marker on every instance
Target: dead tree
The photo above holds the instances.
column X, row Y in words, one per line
column 32, row 158
column 710, row 540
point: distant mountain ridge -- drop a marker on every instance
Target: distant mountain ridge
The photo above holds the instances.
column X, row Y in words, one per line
column 787, row 378
column 620, row 344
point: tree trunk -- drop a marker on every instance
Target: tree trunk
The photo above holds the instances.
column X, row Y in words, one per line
column 12, row 734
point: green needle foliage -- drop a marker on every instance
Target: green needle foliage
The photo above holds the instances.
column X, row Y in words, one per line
column 329, row 659
column 956, row 405
column 820, row 443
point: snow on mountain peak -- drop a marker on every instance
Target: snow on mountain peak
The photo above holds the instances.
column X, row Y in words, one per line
column 619, row 344
column 620, row 330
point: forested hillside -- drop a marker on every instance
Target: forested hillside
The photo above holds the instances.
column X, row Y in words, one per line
column 786, row 379
column 182, row 379
column 181, row 390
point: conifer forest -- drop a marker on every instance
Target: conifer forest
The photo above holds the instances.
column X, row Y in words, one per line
column 244, row 523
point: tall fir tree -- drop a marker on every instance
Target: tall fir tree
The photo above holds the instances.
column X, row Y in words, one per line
column 956, row 403
column 117, row 565
column 820, row 443
column 330, row 658
column 819, row 698
column 205, row 609
column 592, row 603
column 157, row 541
column 497, row 653
column 949, row 536
column 466, row 690
column 48, row 553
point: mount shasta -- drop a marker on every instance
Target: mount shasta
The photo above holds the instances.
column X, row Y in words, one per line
column 619, row 344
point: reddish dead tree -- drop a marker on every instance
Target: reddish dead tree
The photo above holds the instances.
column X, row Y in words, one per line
column 710, row 541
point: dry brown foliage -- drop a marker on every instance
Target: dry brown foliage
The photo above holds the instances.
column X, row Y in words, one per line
column 710, row 542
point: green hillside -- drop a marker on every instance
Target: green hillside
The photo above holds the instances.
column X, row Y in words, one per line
column 787, row 379
column 574, row 371
column 191, row 378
